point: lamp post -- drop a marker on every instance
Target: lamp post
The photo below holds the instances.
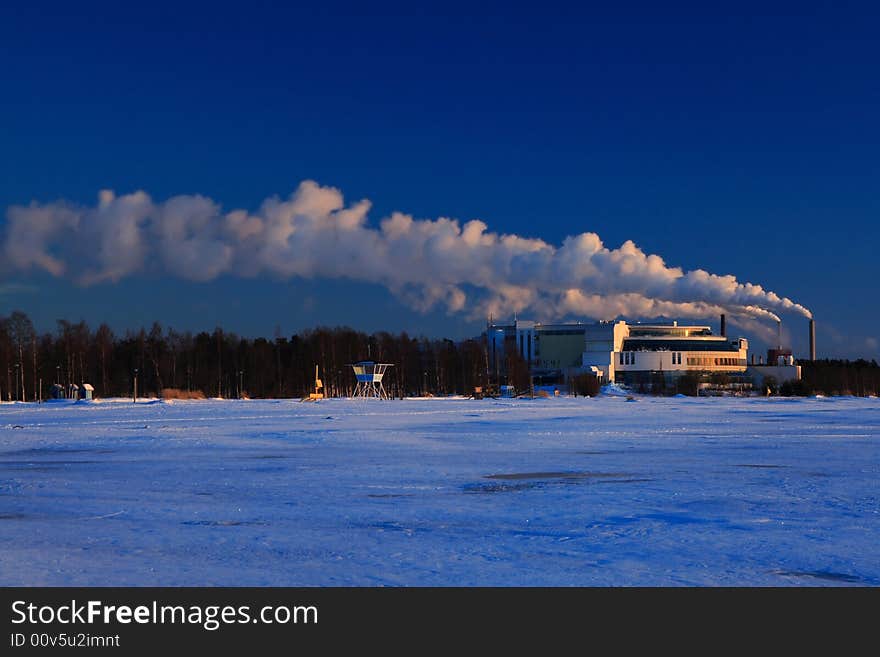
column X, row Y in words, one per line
column 134, row 396
column 240, row 387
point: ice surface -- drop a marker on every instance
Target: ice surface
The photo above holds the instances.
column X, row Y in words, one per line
column 558, row 491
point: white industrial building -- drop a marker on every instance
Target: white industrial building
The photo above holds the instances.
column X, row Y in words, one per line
column 642, row 350
column 630, row 353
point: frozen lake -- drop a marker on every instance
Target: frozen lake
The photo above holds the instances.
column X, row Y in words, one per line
column 442, row 492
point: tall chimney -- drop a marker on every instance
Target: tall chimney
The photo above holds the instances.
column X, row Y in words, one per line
column 723, row 326
column 812, row 339
column 779, row 334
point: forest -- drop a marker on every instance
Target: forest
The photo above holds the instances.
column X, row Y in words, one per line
column 169, row 363
column 222, row 364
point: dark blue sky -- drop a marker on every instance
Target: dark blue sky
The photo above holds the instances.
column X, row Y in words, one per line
column 742, row 140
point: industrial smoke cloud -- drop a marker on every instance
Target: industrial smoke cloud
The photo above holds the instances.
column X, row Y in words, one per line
column 427, row 263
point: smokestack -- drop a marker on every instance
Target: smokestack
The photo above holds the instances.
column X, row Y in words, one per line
column 779, row 334
column 812, row 339
column 723, row 326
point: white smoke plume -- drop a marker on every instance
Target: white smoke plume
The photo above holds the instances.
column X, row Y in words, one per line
column 426, row 263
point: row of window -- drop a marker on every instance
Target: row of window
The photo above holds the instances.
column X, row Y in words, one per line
column 702, row 360
column 629, row 358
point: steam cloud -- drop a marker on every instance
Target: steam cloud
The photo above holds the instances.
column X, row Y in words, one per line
column 426, row 263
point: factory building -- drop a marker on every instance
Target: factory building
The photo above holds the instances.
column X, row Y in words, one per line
column 553, row 352
column 649, row 350
column 630, row 353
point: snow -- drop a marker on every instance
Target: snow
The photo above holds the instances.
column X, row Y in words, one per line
column 556, row 491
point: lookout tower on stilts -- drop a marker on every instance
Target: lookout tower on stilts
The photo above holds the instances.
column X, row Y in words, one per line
column 369, row 379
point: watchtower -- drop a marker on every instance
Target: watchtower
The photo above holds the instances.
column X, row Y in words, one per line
column 369, row 379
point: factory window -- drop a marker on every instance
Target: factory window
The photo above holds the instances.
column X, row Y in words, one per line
column 621, row 358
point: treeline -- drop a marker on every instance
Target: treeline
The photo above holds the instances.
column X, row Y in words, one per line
column 835, row 377
column 221, row 364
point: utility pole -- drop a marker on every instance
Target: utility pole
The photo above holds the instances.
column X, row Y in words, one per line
column 21, row 368
column 134, row 396
column 38, row 396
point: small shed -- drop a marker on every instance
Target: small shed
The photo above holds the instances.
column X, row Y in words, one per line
column 56, row 391
column 73, row 391
column 87, row 391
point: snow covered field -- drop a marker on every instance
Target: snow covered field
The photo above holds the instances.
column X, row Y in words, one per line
column 442, row 492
